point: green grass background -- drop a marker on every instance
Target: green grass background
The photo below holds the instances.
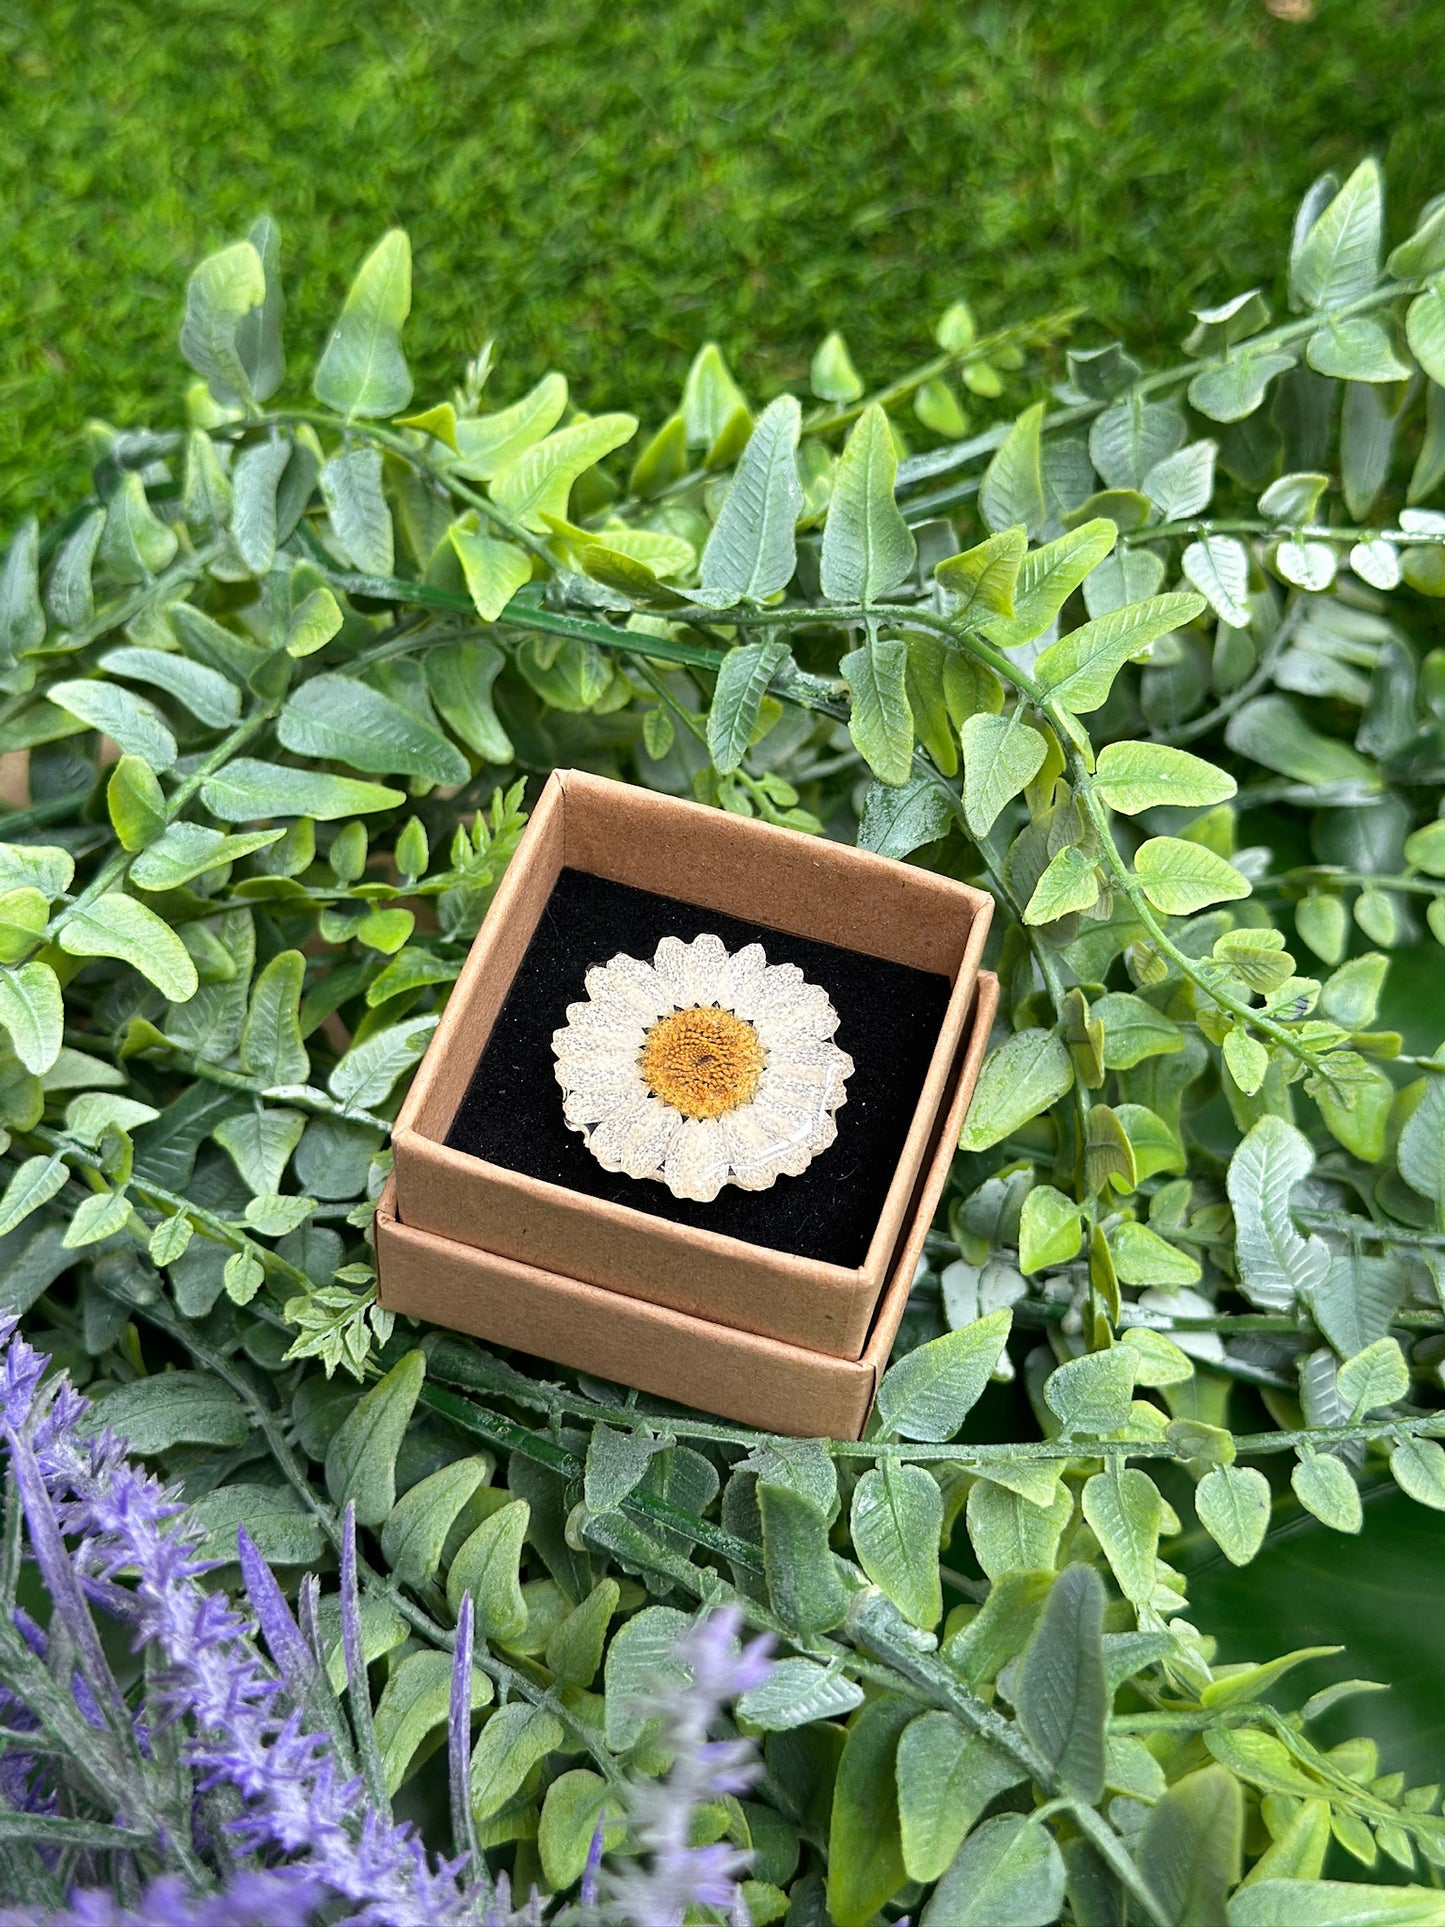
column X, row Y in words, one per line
column 604, row 187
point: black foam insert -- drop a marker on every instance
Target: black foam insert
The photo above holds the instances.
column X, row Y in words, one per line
column 889, row 1019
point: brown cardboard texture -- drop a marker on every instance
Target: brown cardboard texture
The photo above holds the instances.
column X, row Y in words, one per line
column 736, row 1374
column 802, row 886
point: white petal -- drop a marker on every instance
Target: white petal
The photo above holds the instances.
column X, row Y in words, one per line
column 609, row 1143
column 631, row 984
column 611, row 1021
column 741, row 975
column 651, row 1141
column 751, row 1148
column 697, row 1165
column 670, row 963
column 706, row 957
column 764, row 988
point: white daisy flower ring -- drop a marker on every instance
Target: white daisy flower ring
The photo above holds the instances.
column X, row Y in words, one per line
column 702, row 1068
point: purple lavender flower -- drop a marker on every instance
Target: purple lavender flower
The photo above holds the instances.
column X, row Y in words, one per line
column 680, row 1875
column 253, row 1899
column 298, row 1805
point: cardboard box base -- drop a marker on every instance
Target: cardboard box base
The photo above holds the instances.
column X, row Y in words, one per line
column 736, row 1374
column 719, row 865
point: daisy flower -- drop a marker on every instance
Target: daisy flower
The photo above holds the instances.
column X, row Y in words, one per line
column 701, row 1068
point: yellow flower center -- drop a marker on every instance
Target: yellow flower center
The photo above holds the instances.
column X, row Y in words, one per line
column 703, row 1062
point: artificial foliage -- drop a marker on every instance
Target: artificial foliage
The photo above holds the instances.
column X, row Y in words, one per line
column 1151, row 657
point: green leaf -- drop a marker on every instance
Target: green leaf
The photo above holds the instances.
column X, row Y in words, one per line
column 1356, row 348
column 173, row 1408
column 1126, row 1514
column 575, row 1647
column 89, row 1116
column 1276, row 1265
column 641, row 1659
column 1134, row 1030
column 271, row 1045
column 1078, row 671
column 22, row 618
column 1001, row 757
column 1131, row 777
column 896, row 1521
column 314, row 621
column 255, row 479
column 931, row 1390
column 414, row 1704
column 1180, row 878
column 1133, row 437
column 1338, row 260
column 572, row 679
column 32, row 1184
column 750, row 554
column 365, row 1075
column 574, row 1804
column 1218, row 567
column 486, row 444
column 1425, row 329
column 135, row 543
column 1050, row 1231
column 1233, row 1503
column 1334, row 1903
column 514, row 1740
column 796, row 1693
column 1009, row 1873
column 1061, row 1694
column 259, row 1142
column 742, row 682
column 1271, row 731
column 1069, row 883
column 1012, row 1533
column 1020, row 1079
column 1048, row 577
column 115, row 925
column 946, row 1777
column 536, row 484
column 897, row 821
column 220, row 294
column 136, row 803
column 865, row 1855
column 282, row 1527
column 1191, row 1847
column 487, row 1565
column 1012, row 492
column 211, row 698
column 356, row 508
column 868, row 548
column 460, row 677
column 247, row 789
column 33, row 1012
column 710, row 397
column 880, row 720
column 361, row 1459
column 1418, row 1468
column 362, row 372
column 1323, row 1486
column 97, row 1218
column 339, row 717
column 1142, row 1257
column 804, row 1584
column 1420, row 1154
column 832, row 376
column 1376, row 1377
column 494, row 571
column 981, row 581
column 1092, row 1394
column 187, row 850
column 131, row 721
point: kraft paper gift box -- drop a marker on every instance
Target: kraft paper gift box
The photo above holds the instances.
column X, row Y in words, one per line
column 692, row 1361
column 484, row 1157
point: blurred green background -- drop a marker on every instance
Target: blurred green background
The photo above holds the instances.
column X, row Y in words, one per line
column 602, row 188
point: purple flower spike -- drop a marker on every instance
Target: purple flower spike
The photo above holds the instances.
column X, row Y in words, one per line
column 681, row 1876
